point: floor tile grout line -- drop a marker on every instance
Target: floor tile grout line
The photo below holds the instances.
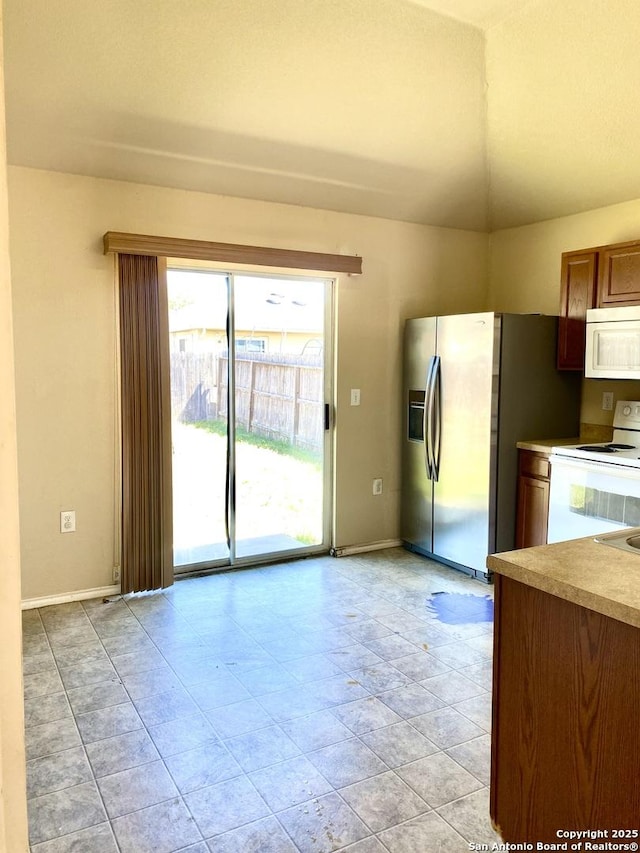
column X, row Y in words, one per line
column 144, row 725
column 171, row 799
column 337, row 791
column 374, row 832
column 275, row 764
column 388, row 769
column 246, row 776
column 161, row 758
column 169, row 664
column 331, row 708
column 246, row 773
column 221, row 740
column 82, row 742
column 181, row 796
column 84, row 747
column 457, row 800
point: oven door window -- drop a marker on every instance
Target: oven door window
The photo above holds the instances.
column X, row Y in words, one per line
column 588, row 499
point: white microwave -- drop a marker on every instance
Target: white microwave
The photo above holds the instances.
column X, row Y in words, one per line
column 613, row 343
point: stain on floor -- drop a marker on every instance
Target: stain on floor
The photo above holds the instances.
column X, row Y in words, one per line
column 456, row 608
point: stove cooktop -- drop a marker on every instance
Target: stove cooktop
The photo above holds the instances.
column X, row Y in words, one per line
column 605, row 448
column 624, row 449
column 617, row 452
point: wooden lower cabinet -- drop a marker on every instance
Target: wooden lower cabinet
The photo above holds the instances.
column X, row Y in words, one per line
column 533, row 498
column 565, row 740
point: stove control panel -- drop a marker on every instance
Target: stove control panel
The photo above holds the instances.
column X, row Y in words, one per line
column 627, row 415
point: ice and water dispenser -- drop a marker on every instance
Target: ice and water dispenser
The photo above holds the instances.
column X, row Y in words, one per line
column 415, row 418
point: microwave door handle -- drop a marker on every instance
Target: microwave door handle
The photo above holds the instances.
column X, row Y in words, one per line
column 428, row 416
column 436, row 439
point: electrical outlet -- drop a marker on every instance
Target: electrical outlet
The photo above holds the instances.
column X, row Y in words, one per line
column 607, row 401
column 355, row 396
column 68, row 521
column 116, row 574
column 377, row 486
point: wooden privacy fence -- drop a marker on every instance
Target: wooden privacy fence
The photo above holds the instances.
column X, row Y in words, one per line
column 277, row 396
column 193, row 386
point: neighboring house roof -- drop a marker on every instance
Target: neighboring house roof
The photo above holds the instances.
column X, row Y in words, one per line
column 264, row 305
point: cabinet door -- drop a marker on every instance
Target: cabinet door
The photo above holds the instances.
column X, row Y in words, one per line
column 619, row 275
column 578, row 293
column 533, row 499
column 533, row 512
column 565, row 744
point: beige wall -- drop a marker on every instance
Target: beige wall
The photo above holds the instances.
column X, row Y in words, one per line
column 65, row 343
column 65, row 339
column 13, row 812
column 524, row 275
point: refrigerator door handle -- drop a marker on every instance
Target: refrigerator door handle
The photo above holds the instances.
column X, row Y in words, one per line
column 436, row 436
column 428, row 417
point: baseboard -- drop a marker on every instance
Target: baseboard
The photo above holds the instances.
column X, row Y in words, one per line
column 347, row 550
column 65, row 598
column 107, row 591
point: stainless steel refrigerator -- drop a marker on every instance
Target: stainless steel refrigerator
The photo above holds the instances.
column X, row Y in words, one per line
column 474, row 385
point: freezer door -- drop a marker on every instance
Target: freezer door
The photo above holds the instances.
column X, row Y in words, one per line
column 464, row 494
column 417, row 488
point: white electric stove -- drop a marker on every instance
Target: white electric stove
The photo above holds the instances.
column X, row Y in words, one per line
column 595, row 488
column 623, row 449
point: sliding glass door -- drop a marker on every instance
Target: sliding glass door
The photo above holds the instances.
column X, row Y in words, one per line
column 250, row 380
column 197, row 342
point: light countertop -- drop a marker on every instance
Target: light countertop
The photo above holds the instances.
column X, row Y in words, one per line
column 589, row 434
column 544, row 445
column 584, row 572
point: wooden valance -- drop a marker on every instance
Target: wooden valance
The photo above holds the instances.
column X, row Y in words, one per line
column 202, row 250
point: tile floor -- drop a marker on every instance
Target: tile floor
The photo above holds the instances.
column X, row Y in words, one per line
column 306, row 707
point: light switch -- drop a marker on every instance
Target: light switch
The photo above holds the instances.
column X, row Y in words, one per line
column 355, row 396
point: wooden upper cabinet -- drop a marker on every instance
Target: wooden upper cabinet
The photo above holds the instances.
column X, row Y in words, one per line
column 619, row 275
column 577, row 294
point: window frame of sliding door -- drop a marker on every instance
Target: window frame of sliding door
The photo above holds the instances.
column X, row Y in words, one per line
column 328, row 447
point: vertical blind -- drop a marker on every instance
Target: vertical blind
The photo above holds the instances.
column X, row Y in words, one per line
column 147, row 535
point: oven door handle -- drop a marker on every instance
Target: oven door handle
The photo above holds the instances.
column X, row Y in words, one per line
column 610, row 468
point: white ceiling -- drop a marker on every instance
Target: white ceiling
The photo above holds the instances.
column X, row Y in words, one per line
column 475, row 114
